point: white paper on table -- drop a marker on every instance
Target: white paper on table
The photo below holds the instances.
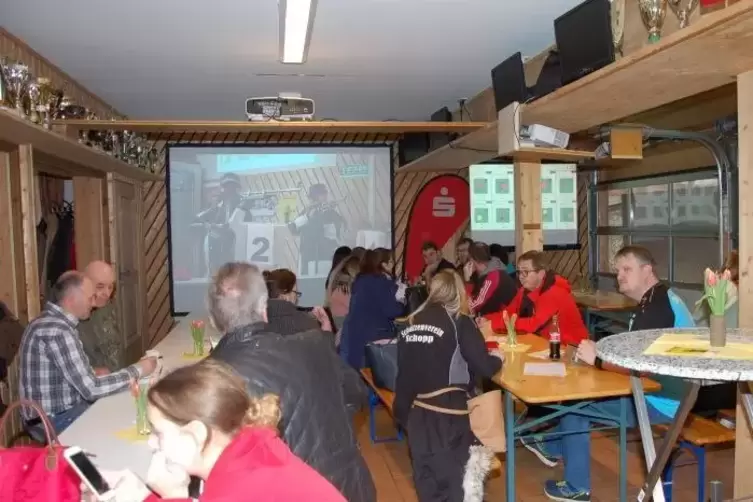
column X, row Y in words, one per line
column 544, row 369
column 542, row 354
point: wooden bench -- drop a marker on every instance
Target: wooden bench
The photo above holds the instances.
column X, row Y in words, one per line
column 377, row 396
column 697, row 434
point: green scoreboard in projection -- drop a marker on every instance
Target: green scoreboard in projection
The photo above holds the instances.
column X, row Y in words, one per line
column 492, row 198
column 493, row 203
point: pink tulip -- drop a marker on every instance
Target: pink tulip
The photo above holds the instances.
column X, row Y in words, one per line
column 726, row 275
column 711, row 279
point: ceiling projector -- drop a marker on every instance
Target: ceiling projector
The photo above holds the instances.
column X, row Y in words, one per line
column 286, row 107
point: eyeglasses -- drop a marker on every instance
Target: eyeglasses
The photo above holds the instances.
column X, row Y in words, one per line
column 298, row 294
column 524, row 273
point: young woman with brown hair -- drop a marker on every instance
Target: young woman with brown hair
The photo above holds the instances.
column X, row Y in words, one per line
column 283, row 315
column 205, row 424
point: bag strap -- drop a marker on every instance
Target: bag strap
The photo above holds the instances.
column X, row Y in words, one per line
column 49, row 430
column 439, row 409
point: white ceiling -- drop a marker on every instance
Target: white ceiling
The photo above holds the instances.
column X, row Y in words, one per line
column 196, row 59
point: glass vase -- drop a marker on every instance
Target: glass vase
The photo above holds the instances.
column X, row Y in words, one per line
column 197, row 333
column 718, row 331
column 142, row 422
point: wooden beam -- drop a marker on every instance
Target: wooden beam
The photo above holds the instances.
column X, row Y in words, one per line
column 25, row 232
column 744, row 441
column 198, row 126
column 528, row 231
column 90, row 222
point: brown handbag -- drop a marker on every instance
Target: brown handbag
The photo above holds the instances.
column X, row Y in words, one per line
column 485, row 412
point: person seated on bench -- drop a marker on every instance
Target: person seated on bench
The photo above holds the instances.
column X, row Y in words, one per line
column 658, row 308
column 55, row 371
column 439, row 353
column 544, row 294
column 490, row 289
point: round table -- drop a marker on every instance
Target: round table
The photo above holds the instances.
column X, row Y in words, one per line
column 627, row 350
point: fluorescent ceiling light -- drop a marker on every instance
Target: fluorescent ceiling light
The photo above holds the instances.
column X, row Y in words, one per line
column 296, row 22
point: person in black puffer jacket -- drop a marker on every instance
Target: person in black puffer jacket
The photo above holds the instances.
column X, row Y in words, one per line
column 318, row 392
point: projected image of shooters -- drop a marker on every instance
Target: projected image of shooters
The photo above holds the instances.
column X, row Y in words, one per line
column 321, row 229
column 219, row 242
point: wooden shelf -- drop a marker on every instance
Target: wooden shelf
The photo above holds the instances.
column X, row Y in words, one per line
column 470, row 149
column 230, row 127
column 708, row 54
column 543, row 154
column 59, row 154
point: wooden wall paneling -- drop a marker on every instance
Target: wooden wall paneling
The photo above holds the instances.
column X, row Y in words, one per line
column 8, row 275
column 16, row 50
column 744, row 441
column 156, row 259
column 90, row 221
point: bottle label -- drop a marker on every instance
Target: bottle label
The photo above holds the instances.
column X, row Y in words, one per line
column 554, row 337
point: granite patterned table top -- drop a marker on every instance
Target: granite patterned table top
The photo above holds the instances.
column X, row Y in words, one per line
column 626, row 350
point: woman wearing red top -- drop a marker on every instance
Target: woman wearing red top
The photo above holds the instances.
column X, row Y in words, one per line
column 205, row 424
column 543, row 295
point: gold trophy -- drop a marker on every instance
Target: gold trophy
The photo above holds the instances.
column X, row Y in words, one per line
column 48, row 98
column 653, row 13
column 683, row 13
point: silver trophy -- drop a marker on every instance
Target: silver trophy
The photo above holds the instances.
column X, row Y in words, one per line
column 683, row 13
column 653, row 13
column 17, row 77
column 48, row 100
column 32, row 90
column 4, row 98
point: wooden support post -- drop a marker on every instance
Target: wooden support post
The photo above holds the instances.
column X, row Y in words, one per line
column 90, row 222
column 23, row 201
column 528, row 231
column 744, row 441
column 8, row 272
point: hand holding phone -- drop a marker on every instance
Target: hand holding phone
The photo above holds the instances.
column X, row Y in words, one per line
column 94, row 481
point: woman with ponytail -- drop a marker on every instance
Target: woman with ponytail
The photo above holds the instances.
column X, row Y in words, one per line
column 205, row 424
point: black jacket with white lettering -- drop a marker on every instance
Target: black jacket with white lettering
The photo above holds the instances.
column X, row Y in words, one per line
column 436, row 351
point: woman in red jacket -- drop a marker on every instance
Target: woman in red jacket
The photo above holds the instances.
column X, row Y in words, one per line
column 205, row 424
column 543, row 295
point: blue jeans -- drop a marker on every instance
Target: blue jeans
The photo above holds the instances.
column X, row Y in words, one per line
column 575, row 449
column 60, row 421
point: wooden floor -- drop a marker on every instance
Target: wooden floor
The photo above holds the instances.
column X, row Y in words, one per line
column 391, row 470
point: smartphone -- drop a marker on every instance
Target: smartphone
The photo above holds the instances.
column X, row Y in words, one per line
column 88, row 472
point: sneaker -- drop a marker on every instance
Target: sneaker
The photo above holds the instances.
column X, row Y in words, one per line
column 564, row 492
column 535, row 445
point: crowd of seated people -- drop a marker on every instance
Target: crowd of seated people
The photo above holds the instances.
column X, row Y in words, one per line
column 300, row 364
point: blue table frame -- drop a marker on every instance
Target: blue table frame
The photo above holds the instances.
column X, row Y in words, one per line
column 514, row 429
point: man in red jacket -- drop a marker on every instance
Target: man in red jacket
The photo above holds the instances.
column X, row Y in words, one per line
column 544, row 294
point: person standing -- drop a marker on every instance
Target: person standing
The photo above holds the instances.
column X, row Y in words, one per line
column 439, row 355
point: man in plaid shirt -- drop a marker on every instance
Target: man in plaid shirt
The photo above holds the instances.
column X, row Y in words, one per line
column 55, row 371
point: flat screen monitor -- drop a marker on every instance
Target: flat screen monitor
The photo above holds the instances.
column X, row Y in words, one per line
column 274, row 207
column 509, row 82
column 493, row 204
column 584, row 39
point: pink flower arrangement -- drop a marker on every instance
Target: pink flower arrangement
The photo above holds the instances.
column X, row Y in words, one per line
column 718, row 291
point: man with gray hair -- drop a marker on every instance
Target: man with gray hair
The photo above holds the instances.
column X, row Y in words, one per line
column 55, row 371
column 317, row 390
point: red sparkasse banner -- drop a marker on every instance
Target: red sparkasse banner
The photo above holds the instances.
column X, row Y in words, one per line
column 442, row 206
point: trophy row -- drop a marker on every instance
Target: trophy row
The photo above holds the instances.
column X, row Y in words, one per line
column 37, row 100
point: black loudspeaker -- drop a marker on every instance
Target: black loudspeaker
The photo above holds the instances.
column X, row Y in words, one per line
column 440, row 139
column 550, row 78
column 412, row 146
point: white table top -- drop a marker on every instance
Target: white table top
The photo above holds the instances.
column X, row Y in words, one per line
column 626, row 350
column 95, row 431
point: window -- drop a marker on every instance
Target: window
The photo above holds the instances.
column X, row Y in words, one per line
column 692, row 255
column 676, row 217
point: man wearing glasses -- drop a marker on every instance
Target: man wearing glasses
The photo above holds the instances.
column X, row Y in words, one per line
column 544, row 294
